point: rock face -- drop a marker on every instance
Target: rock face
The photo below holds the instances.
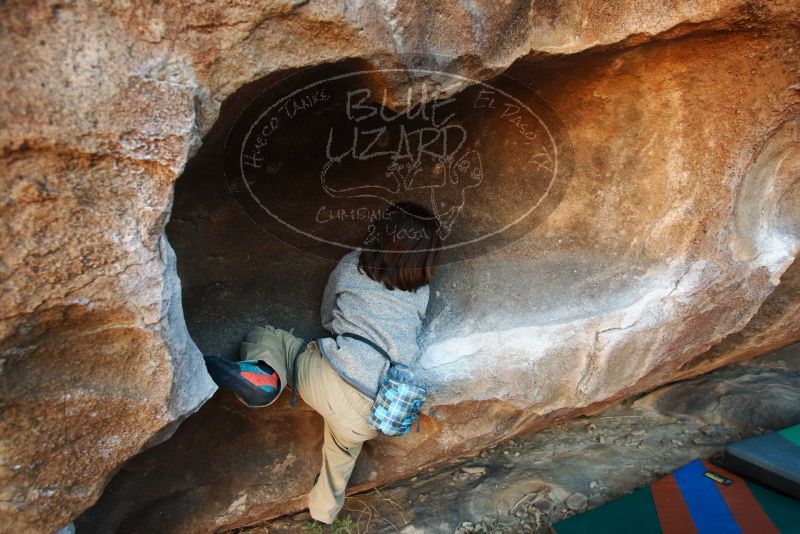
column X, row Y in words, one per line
column 537, row 478
column 669, row 253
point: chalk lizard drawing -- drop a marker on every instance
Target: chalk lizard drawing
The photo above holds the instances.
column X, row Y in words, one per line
column 447, row 182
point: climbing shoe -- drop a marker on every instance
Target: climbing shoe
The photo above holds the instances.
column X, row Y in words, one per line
column 254, row 382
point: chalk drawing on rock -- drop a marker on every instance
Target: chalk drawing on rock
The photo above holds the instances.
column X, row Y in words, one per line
column 319, row 157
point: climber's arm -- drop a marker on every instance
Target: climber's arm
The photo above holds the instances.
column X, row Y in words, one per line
column 328, row 301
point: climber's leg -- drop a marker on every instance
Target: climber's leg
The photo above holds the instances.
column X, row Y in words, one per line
column 274, row 347
column 338, row 460
column 345, row 411
column 254, row 382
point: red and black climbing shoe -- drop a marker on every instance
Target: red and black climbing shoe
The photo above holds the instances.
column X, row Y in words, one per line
column 255, row 383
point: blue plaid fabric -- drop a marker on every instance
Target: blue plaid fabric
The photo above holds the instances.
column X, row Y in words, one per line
column 398, row 401
column 396, row 406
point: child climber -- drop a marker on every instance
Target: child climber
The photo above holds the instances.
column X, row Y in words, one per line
column 378, row 292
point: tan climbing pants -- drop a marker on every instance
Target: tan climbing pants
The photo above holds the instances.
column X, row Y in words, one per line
column 344, row 409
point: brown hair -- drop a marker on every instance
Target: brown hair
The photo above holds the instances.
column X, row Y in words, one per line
column 402, row 247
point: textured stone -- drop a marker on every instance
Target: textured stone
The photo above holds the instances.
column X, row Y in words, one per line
column 96, row 360
column 577, row 501
column 677, row 226
column 669, row 239
column 559, row 462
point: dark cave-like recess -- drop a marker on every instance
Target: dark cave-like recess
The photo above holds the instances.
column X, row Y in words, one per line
column 321, row 156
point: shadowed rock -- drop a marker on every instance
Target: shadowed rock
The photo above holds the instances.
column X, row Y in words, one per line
column 673, row 236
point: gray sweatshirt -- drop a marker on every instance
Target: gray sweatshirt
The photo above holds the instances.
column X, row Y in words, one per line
column 353, row 302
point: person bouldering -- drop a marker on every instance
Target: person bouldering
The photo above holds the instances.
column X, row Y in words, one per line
column 377, row 294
